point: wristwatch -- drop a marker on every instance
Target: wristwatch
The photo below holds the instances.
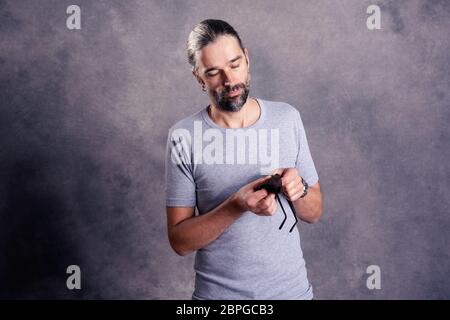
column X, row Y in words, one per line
column 305, row 188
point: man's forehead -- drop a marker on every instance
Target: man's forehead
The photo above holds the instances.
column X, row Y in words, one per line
column 219, row 52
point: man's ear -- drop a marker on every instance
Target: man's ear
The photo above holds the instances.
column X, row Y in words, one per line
column 199, row 80
column 246, row 57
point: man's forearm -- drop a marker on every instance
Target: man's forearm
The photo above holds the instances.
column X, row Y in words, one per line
column 310, row 207
column 197, row 232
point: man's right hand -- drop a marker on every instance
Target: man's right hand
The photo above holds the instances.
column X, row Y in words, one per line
column 259, row 202
column 188, row 232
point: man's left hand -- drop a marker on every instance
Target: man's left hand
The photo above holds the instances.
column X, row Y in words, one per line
column 291, row 183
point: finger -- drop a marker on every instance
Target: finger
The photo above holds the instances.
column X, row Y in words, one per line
column 270, row 196
column 267, row 201
column 269, row 209
column 260, row 194
column 292, row 184
column 262, row 206
column 266, row 208
column 273, row 209
column 295, row 197
column 279, row 171
column 291, row 172
column 258, row 181
column 292, row 191
column 290, row 175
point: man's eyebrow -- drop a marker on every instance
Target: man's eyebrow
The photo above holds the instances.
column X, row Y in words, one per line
column 231, row 61
column 235, row 59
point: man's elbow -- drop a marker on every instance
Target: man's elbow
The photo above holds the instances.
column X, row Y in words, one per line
column 179, row 250
column 318, row 210
column 314, row 218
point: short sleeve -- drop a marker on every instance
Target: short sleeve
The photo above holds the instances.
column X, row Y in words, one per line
column 305, row 163
column 180, row 183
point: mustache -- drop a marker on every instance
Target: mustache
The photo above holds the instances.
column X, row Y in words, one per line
column 229, row 88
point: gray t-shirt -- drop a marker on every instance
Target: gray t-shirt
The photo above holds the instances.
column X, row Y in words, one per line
column 205, row 164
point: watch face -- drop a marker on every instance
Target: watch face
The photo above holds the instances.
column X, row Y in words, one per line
column 305, row 188
column 305, row 183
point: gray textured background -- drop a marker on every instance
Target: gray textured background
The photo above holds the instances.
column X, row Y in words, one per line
column 84, row 119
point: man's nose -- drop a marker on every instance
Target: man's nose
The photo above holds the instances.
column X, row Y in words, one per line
column 228, row 78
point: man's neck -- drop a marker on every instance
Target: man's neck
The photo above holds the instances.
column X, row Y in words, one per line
column 248, row 115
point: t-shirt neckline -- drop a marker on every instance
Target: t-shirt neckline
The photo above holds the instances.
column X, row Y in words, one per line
column 212, row 124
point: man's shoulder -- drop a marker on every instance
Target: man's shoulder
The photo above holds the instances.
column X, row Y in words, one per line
column 187, row 122
column 280, row 109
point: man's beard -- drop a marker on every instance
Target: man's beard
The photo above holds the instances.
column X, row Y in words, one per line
column 231, row 104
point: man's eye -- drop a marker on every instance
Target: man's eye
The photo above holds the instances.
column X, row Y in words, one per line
column 235, row 66
column 213, row 74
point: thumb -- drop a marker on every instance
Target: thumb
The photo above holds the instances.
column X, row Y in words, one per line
column 258, row 181
column 279, row 171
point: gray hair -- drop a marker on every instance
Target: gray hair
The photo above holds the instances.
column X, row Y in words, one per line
column 206, row 32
